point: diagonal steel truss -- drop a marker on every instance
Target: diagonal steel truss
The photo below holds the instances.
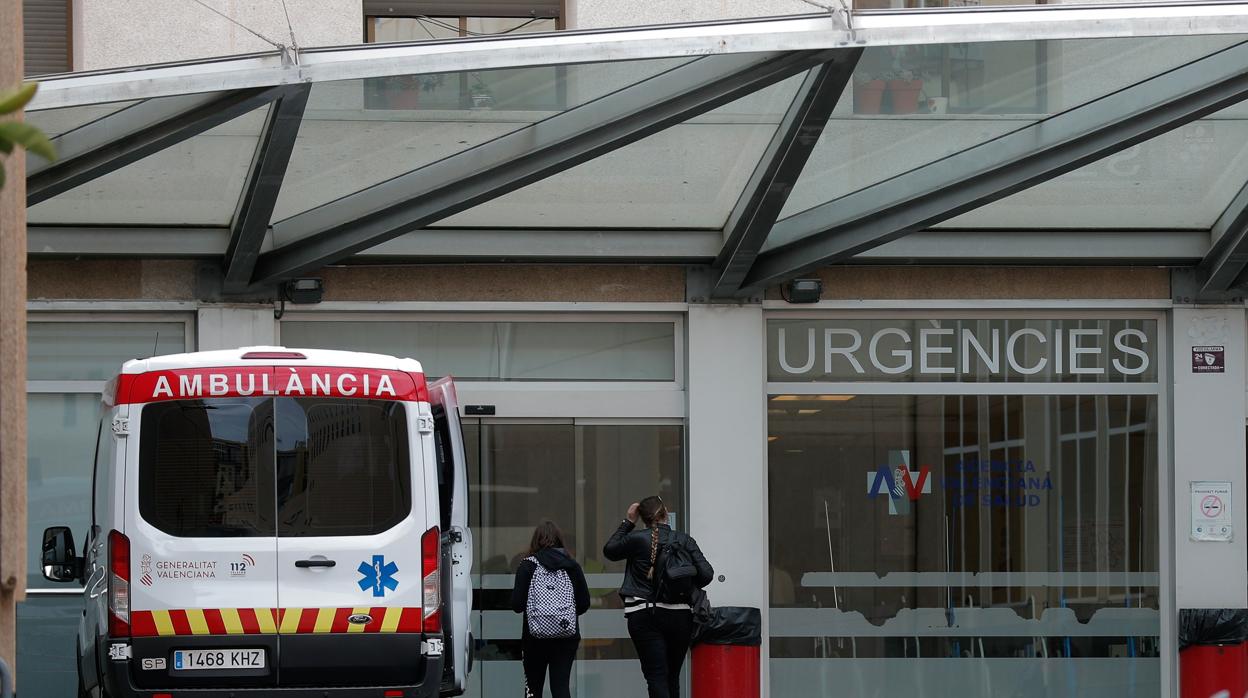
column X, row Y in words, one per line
column 264, row 183
column 757, row 250
column 938, row 191
column 441, row 189
column 133, row 133
column 773, row 179
column 1223, row 267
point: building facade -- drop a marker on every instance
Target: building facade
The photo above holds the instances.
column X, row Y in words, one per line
column 975, row 465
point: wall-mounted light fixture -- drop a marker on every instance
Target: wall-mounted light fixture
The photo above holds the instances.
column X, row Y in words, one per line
column 802, row 290
column 299, row 292
column 304, row 291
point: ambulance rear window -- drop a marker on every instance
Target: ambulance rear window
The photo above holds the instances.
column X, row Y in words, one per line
column 342, row 466
column 231, row 467
column 206, row 467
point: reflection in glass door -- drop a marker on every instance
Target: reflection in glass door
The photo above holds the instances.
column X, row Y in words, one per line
column 583, row 476
column 969, row 545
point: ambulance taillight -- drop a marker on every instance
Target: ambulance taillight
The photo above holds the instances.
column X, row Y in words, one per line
column 118, row 585
column 430, row 569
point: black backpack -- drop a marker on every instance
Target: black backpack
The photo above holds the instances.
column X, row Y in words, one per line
column 675, row 571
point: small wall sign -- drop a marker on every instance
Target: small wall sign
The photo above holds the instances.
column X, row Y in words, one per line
column 1211, row 511
column 1209, row 359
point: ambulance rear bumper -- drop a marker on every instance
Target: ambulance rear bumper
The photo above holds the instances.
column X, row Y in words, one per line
column 118, row 684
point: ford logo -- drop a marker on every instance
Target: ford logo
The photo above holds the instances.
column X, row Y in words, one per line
column 360, row 619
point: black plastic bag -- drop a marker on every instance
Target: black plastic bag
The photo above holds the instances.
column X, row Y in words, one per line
column 731, row 625
column 701, row 607
column 1212, row 626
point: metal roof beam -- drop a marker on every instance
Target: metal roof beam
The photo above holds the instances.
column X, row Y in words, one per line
column 1222, row 267
column 132, row 241
column 1038, row 247
column 419, row 198
column 773, row 178
column 837, row 230
column 264, row 183
column 939, row 246
column 800, row 32
column 131, row 134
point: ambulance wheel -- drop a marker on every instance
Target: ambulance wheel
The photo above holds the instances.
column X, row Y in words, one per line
column 82, row 692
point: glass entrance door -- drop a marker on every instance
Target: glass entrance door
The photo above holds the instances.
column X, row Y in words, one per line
column 582, row 475
column 969, row 545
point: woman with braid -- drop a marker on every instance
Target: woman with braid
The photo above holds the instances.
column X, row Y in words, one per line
column 661, row 631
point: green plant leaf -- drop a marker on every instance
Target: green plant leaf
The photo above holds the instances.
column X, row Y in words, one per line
column 29, row 137
column 12, row 101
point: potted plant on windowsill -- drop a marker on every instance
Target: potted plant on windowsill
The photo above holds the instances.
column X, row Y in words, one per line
column 482, row 97
column 903, row 91
column 403, row 91
column 868, row 94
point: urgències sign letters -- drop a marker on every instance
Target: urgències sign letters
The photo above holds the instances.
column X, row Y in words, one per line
column 962, row 350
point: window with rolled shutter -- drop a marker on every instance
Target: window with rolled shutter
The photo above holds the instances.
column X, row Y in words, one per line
column 46, row 24
column 463, row 8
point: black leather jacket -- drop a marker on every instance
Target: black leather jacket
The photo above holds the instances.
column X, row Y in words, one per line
column 634, row 546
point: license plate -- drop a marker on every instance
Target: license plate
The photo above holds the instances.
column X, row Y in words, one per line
column 218, row 659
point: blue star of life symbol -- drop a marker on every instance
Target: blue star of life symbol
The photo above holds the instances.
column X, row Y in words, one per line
column 379, row 575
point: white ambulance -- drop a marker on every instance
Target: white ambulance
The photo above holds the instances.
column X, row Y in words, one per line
column 272, row 521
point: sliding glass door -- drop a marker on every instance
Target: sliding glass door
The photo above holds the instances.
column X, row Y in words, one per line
column 582, row 475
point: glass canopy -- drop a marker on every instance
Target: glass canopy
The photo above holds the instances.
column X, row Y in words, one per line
column 974, row 93
column 686, row 176
column 56, row 122
column 1182, row 179
column 802, row 157
column 357, row 133
column 196, row 182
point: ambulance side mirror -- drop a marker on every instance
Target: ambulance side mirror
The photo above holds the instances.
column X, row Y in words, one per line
column 60, row 563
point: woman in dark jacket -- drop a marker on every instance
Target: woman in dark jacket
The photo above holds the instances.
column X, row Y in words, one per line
column 661, row 632
column 557, row 653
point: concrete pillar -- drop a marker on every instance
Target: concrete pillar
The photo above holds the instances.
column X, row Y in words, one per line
column 231, row 327
column 728, row 453
column 1209, row 416
column 1209, row 445
column 12, row 351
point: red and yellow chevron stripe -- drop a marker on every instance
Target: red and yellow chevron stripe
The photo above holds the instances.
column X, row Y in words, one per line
column 284, row 621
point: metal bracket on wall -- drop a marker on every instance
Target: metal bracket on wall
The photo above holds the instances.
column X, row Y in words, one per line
column 700, row 285
column 210, row 287
column 1188, row 288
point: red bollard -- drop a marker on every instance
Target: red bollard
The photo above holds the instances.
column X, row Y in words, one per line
column 1213, row 671
column 725, row 671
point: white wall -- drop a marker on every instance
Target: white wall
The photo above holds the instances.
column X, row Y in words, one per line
column 1209, row 445
column 231, row 327
column 590, row 14
column 728, row 452
column 112, row 33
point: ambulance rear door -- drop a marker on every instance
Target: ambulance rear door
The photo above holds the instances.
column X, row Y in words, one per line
column 457, row 536
column 353, row 527
column 198, row 551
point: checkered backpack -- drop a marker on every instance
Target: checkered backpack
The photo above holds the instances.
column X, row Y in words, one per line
column 551, row 608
